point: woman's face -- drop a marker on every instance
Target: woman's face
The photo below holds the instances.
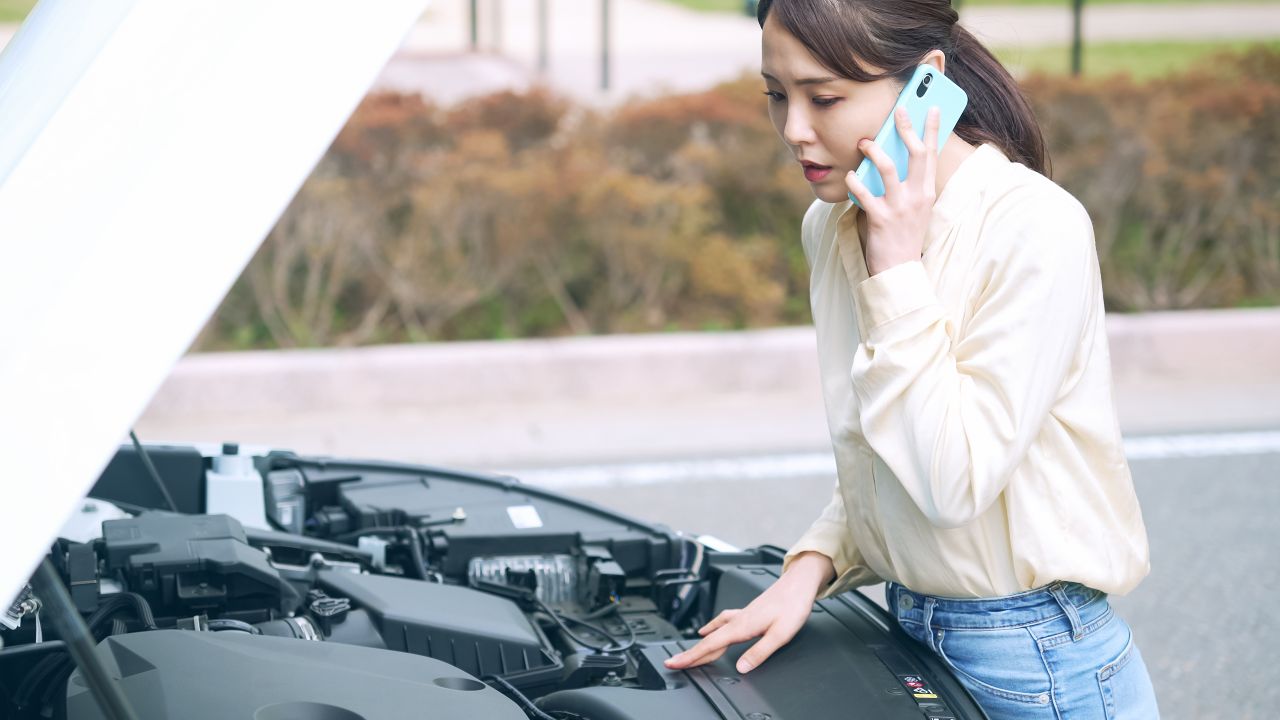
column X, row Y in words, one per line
column 819, row 116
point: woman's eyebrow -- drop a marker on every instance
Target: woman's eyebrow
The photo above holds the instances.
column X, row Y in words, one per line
column 805, row 81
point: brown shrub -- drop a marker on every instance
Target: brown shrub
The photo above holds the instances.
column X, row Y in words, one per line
column 521, row 214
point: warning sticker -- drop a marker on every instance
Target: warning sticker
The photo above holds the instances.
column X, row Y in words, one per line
column 524, row 516
column 917, row 687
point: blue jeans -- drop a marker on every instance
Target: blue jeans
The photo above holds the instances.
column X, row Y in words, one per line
column 1058, row 652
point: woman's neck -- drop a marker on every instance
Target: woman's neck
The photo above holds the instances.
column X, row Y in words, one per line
column 949, row 159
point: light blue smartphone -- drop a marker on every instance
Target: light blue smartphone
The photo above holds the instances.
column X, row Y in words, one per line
column 927, row 88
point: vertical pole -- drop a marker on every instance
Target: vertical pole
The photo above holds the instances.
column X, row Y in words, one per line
column 1077, row 42
column 544, row 62
column 475, row 23
column 604, row 45
column 496, row 20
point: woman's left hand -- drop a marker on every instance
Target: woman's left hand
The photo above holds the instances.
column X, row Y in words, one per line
column 897, row 223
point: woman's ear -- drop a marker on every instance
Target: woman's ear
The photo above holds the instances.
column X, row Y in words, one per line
column 936, row 58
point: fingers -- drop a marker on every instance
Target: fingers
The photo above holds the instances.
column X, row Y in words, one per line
column 764, row 647
column 860, row 192
column 719, row 620
column 931, row 132
column 883, row 163
column 916, row 149
column 708, row 649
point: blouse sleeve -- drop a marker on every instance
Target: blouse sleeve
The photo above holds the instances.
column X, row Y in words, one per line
column 830, row 535
column 953, row 420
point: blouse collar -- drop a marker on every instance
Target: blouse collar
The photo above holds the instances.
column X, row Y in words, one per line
column 961, row 193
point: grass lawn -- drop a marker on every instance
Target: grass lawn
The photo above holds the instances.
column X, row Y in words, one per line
column 1067, row 3
column 736, row 6
column 15, row 10
column 1141, row 60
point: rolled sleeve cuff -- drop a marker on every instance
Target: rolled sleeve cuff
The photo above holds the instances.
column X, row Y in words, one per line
column 828, row 540
column 892, row 293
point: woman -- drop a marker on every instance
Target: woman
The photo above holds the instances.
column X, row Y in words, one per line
column 966, row 376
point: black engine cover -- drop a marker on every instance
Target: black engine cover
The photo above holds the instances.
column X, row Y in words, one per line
column 169, row 674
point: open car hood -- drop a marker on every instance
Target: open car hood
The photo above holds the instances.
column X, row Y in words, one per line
column 146, row 149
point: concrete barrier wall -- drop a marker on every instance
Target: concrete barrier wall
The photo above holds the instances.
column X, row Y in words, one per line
column 624, row 398
column 1206, row 347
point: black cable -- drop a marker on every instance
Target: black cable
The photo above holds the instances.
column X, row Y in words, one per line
column 559, row 618
column 72, row 630
column 51, row 671
column 55, row 673
column 404, row 531
column 229, row 624
column 357, row 534
column 151, row 469
column 525, row 703
column 142, row 608
column 527, row 597
column 47, row 667
column 415, row 552
column 33, row 649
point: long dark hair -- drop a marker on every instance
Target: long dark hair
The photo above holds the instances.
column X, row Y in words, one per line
column 896, row 35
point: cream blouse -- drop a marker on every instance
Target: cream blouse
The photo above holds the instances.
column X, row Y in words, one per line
column 968, row 396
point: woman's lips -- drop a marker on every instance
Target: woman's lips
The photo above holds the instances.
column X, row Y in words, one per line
column 813, row 173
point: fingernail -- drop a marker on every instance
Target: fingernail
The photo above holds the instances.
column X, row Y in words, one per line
column 743, row 665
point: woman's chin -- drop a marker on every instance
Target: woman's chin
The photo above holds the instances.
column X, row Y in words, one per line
column 827, row 191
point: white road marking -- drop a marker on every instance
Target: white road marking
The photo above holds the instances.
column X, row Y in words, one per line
column 809, row 464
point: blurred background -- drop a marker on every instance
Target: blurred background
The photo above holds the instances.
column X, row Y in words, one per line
column 560, row 240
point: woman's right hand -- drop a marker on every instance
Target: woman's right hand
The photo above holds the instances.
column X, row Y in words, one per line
column 778, row 613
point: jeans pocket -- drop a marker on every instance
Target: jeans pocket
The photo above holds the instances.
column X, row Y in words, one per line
column 997, row 663
column 1125, row 685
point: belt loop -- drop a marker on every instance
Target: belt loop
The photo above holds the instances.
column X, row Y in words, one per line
column 929, row 602
column 1077, row 628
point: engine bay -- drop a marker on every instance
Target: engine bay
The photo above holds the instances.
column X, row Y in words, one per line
column 278, row 587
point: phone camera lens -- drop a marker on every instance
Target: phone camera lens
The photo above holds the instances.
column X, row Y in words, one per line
column 928, row 79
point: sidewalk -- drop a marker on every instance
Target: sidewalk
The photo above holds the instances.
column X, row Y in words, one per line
column 653, row 397
column 659, row 47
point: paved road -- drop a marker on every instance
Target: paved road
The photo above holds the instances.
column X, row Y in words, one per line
column 1204, row 617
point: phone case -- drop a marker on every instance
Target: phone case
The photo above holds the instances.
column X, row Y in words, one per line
column 940, row 91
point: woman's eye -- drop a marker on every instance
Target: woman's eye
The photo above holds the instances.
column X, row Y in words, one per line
column 774, row 96
column 825, row 102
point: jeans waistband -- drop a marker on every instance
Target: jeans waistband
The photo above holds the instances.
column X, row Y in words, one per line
column 1025, row 608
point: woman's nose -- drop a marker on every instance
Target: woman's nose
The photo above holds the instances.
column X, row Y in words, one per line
column 797, row 130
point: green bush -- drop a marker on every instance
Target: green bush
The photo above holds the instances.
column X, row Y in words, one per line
column 522, row 214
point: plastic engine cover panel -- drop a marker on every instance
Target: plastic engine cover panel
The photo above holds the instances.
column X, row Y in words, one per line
column 213, row 676
column 467, row 628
